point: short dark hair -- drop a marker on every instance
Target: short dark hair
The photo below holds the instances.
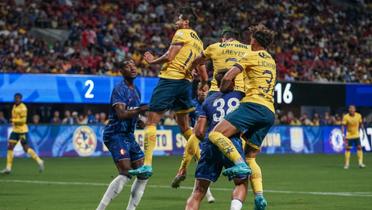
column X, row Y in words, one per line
column 262, row 35
column 229, row 32
column 188, row 14
column 18, row 94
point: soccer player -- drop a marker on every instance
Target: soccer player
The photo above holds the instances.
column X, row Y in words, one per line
column 19, row 133
column 210, row 165
column 118, row 136
column 353, row 122
column 223, row 55
column 255, row 115
column 173, row 91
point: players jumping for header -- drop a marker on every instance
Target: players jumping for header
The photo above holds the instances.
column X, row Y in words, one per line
column 353, row 122
column 19, row 133
column 223, row 55
column 119, row 138
column 173, row 91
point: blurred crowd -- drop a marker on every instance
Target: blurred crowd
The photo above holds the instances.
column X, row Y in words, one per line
column 316, row 40
column 81, row 118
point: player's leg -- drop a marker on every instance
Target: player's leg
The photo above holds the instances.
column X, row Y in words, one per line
column 349, row 144
column 119, row 151
column 359, row 153
column 13, row 140
column 27, row 149
column 239, row 194
column 256, row 178
column 162, row 99
column 191, row 150
column 197, row 195
column 139, row 184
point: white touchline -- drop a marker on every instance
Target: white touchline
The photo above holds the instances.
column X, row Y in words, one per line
column 346, row 194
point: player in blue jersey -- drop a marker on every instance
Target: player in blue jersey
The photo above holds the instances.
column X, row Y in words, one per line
column 118, row 136
column 211, row 162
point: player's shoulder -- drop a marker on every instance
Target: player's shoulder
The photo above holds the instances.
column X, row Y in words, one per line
column 22, row 106
column 358, row 114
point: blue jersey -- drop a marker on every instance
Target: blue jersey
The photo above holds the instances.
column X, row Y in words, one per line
column 131, row 97
column 218, row 105
column 195, row 114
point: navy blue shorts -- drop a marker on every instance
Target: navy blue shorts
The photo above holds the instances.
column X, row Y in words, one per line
column 212, row 160
column 353, row 142
column 15, row 137
column 123, row 146
column 254, row 120
column 171, row 94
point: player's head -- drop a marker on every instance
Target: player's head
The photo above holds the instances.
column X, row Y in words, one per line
column 352, row 109
column 129, row 69
column 261, row 35
column 229, row 33
column 17, row 98
column 202, row 92
column 186, row 18
column 219, row 77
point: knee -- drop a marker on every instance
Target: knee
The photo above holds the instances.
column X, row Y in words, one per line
column 11, row 146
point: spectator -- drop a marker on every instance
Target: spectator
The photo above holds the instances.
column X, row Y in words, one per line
column 68, row 118
column 56, row 119
column 316, row 120
column 35, row 119
column 90, row 117
column 103, row 118
column 305, row 120
column 2, row 118
column 82, row 119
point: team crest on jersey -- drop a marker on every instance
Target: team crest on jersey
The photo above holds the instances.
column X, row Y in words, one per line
column 84, row 141
column 263, row 55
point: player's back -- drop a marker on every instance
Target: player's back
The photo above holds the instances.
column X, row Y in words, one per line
column 260, row 78
column 179, row 67
column 223, row 56
column 218, row 105
column 131, row 98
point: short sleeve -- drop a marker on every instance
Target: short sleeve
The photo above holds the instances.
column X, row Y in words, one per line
column 180, row 37
column 118, row 97
column 202, row 112
column 208, row 51
column 344, row 120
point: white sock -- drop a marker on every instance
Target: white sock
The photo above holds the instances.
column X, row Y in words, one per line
column 209, row 194
column 112, row 191
column 136, row 193
column 236, row 205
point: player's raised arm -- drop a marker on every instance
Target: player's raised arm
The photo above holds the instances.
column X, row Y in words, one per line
column 228, row 79
column 199, row 65
column 166, row 57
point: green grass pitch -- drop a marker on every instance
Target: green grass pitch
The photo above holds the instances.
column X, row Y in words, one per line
column 292, row 182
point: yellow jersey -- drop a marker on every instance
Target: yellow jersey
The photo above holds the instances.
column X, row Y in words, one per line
column 224, row 56
column 19, row 118
column 179, row 67
column 352, row 124
column 259, row 70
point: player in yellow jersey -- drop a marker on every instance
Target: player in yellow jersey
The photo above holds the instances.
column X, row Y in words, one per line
column 353, row 122
column 223, row 55
column 173, row 91
column 255, row 115
column 19, row 133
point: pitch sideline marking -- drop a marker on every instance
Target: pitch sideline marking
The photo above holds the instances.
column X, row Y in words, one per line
column 345, row 194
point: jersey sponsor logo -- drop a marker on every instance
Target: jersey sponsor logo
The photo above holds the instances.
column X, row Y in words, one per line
column 84, row 141
column 336, row 140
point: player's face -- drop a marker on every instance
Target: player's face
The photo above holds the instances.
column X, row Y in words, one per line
column 352, row 109
column 180, row 22
column 130, row 70
column 202, row 94
column 17, row 99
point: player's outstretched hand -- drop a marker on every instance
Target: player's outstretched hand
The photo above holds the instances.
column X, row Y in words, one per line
column 149, row 57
